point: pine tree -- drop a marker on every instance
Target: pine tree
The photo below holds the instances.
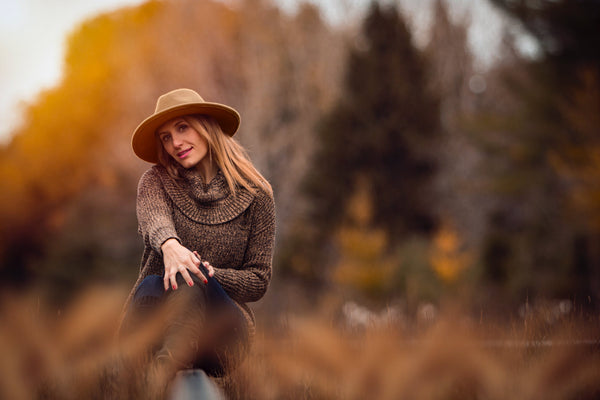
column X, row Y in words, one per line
column 536, row 244
column 383, row 128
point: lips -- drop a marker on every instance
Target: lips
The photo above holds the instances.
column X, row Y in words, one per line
column 184, row 153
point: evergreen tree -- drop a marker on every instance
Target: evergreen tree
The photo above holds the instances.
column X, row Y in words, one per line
column 567, row 32
column 536, row 244
column 383, row 128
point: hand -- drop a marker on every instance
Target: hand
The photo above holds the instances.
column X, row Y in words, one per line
column 209, row 268
column 177, row 258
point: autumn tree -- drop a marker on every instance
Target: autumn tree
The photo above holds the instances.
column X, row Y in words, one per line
column 68, row 177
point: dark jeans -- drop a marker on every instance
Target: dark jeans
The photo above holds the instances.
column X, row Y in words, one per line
column 230, row 338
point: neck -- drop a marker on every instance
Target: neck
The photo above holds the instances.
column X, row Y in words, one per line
column 207, row 170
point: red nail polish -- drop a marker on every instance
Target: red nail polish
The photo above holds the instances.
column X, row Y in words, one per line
column 190, row 283
column 205, row 281
column 174, row 287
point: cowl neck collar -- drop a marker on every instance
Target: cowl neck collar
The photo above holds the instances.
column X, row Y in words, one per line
column 205, row 193
column 207, row 203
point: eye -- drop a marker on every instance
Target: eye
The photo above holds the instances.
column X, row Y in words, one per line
column 165, row 138
column 182, row 127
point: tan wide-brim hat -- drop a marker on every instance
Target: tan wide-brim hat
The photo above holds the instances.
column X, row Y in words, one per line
column 174, row 104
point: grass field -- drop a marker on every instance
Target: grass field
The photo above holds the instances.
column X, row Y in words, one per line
column 74, row 355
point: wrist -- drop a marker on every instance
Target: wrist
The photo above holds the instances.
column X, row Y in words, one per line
column 169, row 243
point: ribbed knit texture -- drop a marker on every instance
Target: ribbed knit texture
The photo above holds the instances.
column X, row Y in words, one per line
column 235, row 234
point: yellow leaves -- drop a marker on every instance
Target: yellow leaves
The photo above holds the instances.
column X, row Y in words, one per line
column 364, row 263
column 360, row 206
column 368, row 264
column 447, row 257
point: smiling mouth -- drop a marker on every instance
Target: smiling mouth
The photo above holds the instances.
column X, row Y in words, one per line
column 184, row 153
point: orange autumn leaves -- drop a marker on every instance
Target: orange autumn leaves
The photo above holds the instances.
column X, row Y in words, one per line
column 367, row 264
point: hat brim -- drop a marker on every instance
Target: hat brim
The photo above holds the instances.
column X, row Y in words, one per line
column 144, row 142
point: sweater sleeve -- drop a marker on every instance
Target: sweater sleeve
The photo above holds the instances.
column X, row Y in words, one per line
column 250, row 282
column 155, row 221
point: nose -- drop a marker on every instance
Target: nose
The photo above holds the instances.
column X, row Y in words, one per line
column 177, row 141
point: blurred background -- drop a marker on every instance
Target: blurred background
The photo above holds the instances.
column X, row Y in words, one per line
column 420, row 151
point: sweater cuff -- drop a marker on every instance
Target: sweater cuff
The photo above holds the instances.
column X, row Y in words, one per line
column 161, row 236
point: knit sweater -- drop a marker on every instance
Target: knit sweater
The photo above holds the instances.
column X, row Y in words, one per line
column 235, row 233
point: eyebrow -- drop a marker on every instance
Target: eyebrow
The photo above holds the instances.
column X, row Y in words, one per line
column 177, row 123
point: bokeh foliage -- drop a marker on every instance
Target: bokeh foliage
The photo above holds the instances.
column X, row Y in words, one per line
column 395, row 177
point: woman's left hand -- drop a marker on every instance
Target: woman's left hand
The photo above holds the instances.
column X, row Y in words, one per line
column 178, row 259
column 209, row 268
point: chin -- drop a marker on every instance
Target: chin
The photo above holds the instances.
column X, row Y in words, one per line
column 188, row 164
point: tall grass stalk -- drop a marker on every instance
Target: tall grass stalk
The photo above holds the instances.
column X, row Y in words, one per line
column 76, row 355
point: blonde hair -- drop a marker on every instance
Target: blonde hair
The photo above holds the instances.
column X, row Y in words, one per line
column 231, row 158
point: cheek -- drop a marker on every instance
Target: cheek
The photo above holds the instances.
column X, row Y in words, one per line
column 203, row 144
column 170, row 153
column 168, row 148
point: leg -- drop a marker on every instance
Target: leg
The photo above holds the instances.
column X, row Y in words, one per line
column 229, row 339
column 146, row 299
column 207, row 330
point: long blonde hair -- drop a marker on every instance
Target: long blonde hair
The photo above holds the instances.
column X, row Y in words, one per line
column 231, row 158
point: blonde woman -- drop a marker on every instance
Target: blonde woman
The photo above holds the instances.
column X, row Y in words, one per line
column 207, row 219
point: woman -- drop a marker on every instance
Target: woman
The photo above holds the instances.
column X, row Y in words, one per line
column 207, row 220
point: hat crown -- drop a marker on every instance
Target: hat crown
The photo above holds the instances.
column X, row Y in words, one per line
column 176, row 98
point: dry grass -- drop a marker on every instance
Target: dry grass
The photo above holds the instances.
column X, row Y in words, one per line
column 76, row 355
column 73, row 353
column 452, row 357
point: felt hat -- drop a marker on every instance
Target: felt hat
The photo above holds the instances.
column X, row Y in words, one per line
column 178, row 103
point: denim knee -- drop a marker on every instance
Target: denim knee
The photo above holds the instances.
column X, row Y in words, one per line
column 151, row 286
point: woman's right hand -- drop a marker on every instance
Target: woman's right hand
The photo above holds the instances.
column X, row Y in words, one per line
column 177, row 258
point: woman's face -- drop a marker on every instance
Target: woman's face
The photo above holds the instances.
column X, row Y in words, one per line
column 182, row 142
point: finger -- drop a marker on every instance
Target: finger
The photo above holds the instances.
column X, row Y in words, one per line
column 169, row 273
column 200, row 275
column 172, row 278
column 198, row 258
column 186, row 276
column 196, row 271
column 209, row 268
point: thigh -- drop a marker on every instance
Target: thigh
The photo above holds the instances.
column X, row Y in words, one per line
column 148, row 296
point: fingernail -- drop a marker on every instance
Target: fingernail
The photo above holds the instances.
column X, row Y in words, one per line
column 174, row 287
column 205, row 281
column 190, row 283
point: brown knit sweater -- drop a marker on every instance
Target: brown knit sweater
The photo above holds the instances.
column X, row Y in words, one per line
column 234, row 233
